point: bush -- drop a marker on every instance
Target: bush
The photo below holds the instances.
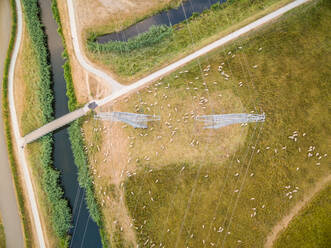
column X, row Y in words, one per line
column 154, row 35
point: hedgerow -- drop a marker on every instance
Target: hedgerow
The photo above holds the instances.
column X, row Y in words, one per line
column 6, row 119
column 61, row 213
column 154, row 35
column 76, row 139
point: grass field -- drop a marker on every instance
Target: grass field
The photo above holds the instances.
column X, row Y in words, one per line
column 2, row 235
column 186, row 38
column 200, row 200
column 311, row 228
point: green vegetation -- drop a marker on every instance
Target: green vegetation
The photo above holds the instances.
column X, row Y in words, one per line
column 2, row 235
column 76, row 139
column 284, row 70
column 154, row 35
column 72, row 104
column 312, row 227
column 185, row 38
column 6, row 117
column 43, row 99
column 84, row 178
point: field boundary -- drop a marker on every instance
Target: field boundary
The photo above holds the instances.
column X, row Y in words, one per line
column 286, row 220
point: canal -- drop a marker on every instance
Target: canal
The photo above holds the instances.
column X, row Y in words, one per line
column 85, row 232
column 167, row 17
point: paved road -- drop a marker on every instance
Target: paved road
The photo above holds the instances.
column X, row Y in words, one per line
column 8, row 204
column 14, row 122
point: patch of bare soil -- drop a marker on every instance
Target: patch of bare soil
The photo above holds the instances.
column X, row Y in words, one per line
column 109, row 165
column 283, row 223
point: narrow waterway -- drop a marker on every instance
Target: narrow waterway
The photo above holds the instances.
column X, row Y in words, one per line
column 85, row 232
column 168, row 17
column 8, row 204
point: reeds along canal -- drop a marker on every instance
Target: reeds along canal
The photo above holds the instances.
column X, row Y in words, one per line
column 85, row 232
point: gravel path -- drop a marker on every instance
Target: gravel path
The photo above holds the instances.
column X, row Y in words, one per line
column 283, row 223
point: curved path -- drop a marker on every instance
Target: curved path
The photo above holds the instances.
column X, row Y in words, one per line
column 21, row 159
column 8, row 203
column 83, row 62
column 283, row 223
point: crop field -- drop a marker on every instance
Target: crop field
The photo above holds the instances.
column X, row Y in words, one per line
column 185, row 186
column 312, row 227
column 186, row 37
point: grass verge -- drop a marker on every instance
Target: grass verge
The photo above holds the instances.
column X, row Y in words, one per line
column 311, row 228
column 281, row 70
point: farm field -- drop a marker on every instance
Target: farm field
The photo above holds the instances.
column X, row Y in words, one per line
column 185, row 38
column 311, row 227
column 177, row 184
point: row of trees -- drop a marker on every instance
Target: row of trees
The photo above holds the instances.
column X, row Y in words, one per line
column 60, row 210
column 154, row 35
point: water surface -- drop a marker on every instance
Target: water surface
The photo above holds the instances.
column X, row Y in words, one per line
column 85, row 232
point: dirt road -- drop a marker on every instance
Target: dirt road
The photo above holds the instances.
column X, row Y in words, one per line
column 283, row 223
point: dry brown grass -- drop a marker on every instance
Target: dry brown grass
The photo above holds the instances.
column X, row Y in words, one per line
column 109, row 15
column 84, row 82
column 178, row 137
column 107, row 168
column 115, row 150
